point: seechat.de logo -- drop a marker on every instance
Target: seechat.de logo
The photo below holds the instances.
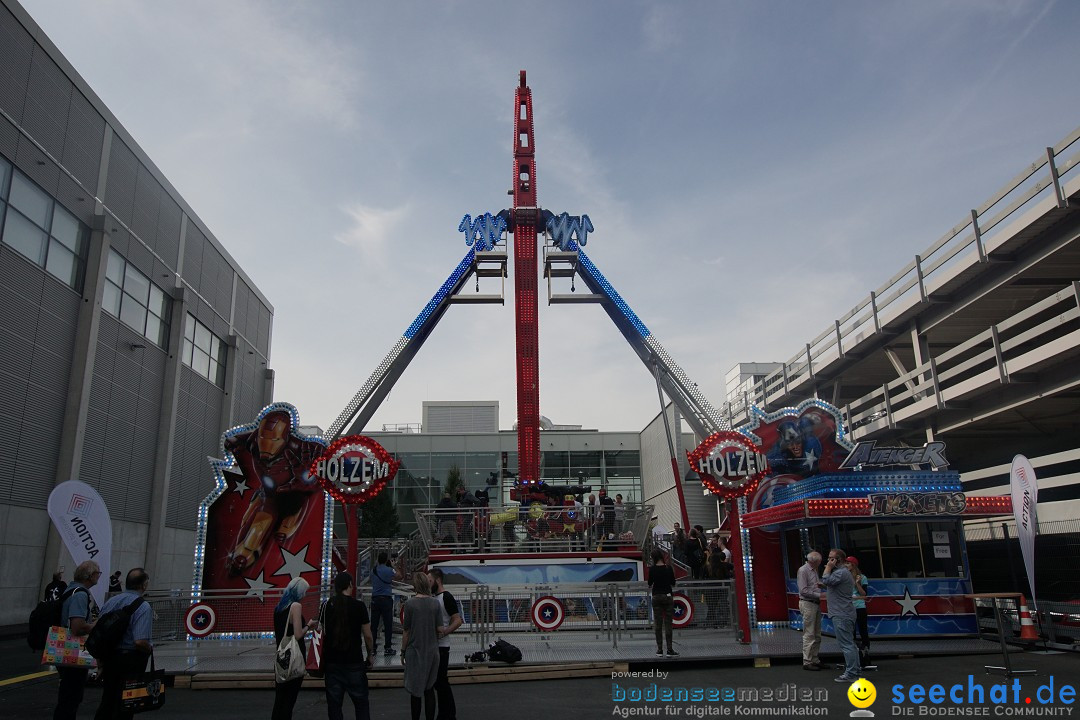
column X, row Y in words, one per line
column 1009, row 698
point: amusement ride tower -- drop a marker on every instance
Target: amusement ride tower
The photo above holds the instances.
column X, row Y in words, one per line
column 565, row 235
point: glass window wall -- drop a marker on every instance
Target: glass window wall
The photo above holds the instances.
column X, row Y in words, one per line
column 127, row 295
column 37, row 227
column 204, row 352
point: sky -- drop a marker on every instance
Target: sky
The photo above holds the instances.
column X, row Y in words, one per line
column 752, row 169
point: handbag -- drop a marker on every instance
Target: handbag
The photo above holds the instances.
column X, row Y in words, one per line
column 65, row 649
column 145, row 693
column 314, row 653
column 288, row 661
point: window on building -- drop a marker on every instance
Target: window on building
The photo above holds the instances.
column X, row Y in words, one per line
column 139, row 303
column 40, row 229
column 5, row 178
column 861, row 541
column 204, row 352
column 801, row 541
column 941, row 549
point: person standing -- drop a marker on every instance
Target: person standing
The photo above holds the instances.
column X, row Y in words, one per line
column 810, row 607
column 420, row 646
column 449, row 622
column 56, row 588
column 607, row 516
column 694, row 550
column 662, row 583
column 135, row 647
column 114, row 583
column 346, row 632
column 382, row 602
column 840, row 587
column 289, row 620
column 859, row 601
column 77, row 614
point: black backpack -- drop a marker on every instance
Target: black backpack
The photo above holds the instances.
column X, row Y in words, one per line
column 103, row 642
column 45, row 615
column 503, row 651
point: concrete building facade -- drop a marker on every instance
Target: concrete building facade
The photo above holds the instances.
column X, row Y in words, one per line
column 129, row 338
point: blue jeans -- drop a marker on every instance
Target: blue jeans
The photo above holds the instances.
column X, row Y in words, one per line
column 341, row 679
column 845, row 636
column 382, row 608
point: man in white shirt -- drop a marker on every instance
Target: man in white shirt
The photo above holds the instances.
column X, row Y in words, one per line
column 810, row 607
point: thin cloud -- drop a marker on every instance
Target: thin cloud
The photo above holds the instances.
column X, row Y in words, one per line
column 371, row 231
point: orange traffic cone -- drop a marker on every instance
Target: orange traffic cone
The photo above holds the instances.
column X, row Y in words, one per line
column 1027, row 627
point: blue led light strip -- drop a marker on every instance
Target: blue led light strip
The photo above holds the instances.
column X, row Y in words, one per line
column 608, row 289
column 425, row 315
column 849, row 484
column 589, row 269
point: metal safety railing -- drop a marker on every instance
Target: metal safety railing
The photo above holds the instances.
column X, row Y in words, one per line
column 611, row 611
column 237, row 614
column 533, row 528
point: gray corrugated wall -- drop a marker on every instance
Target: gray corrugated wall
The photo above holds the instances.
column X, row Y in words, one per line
column 197, row 436
column 122, row 420
column 37, row 331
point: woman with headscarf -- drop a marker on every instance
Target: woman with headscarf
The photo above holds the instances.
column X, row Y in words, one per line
column 289, row 620
column 420, row 646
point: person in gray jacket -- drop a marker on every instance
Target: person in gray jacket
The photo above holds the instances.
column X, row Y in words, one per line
column 840, row 585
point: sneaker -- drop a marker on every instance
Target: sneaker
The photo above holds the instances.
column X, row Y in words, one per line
column 811, row 666
column 388, row 652
column 845, row 679
column 672, row 653
column 659, row 653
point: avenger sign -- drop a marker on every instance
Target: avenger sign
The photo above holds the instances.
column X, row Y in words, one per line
column 730, row 465
column 354, row 469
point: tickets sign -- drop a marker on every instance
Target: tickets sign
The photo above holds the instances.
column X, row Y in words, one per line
column 354, row 469
column 729, row 463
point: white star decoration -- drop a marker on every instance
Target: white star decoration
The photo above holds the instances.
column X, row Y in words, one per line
column 810, row 459
column 241, row 486
column 257, row 586
column 909, row 605
column 294, row 564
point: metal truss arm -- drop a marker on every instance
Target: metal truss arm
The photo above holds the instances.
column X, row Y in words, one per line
column 368, row 398
column 696, row 409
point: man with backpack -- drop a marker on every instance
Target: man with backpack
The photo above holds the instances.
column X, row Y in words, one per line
column 127, row 660
column 77, row 615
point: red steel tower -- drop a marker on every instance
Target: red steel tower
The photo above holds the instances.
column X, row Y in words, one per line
column 526, row 324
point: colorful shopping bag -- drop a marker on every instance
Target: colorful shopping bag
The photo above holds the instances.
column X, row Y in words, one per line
column 66, row 650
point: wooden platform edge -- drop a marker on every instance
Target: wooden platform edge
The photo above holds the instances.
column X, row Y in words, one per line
column 458, row 676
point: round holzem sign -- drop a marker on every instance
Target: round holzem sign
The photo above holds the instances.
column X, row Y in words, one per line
column 354, row 469
column 729, row 463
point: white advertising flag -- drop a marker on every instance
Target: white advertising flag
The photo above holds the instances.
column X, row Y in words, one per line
column 1025, row 497
column 83, row 522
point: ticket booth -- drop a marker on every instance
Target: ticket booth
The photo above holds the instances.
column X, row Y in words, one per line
column 905, row 527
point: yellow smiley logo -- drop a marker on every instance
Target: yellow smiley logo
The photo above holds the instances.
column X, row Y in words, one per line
column 862, row 693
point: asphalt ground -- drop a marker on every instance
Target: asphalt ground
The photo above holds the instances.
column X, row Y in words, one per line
column 24, row 696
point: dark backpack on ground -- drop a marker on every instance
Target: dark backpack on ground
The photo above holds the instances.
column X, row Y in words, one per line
column 503, row 651
column 45, row 615
column 103, row 642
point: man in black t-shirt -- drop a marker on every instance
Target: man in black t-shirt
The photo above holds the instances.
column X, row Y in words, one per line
column 343, row 653
column 56, row 588
column 451, row 621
